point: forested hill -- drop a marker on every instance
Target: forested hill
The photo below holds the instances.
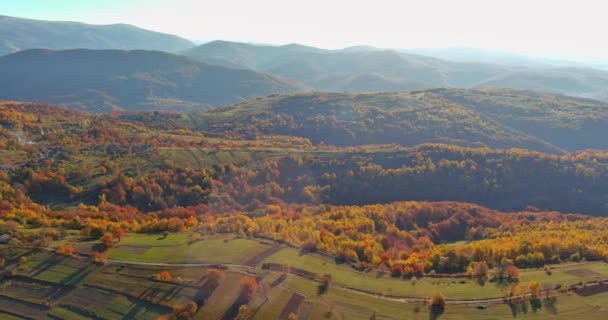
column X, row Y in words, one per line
column 105, row 80
column 20, row 34
column 61, row 158
column 496, row 118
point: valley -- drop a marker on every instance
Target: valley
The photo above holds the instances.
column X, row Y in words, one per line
column 167, row 215
column 338, row 160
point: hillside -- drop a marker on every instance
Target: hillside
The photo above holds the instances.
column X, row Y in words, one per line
column 133, row 159
column 18, row 34
column 496, row 118
column 325, row 70
column 257, row 57
column 361, row 69
column 118, row 208
column 104, row 80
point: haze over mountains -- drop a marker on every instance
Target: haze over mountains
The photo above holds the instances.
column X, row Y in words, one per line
column 222, row 72
column 464, row 54
column 19, row 34
column 369, row 69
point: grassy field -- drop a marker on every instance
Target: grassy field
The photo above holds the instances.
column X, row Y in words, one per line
column 222, row 298
column 349, row 305
column 177, row 248
column 6, row 316
column 107, row 305
column 383, row 283
column 64, row 313
column 73, row 288
column 142, row 287
column 47, row 266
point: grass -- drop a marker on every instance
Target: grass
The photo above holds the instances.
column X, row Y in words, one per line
column 559, row 274
column 19, row 307
column 65, row 314
column 64, row 274
column 189, row 275
column 163, row 293
column 177, row 249
column 29, row 292
column 124, row 308
column 278, row 297
column 6, row 316
column 128, row 292
column 425, row 286
column 155, row 240
column 107, row 305
column 47, row 266
column 350, row 305
column 222, row 298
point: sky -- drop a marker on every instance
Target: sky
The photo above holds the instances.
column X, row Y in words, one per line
column 549, row 28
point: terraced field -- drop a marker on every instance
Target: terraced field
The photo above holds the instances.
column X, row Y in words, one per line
column 49, row 286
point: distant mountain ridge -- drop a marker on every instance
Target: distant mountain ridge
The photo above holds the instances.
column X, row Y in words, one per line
column 18, row 34
column 282, row 69
column 105, row 80
column 364, row 68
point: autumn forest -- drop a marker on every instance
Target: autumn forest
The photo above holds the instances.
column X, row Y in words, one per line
column 143, row 176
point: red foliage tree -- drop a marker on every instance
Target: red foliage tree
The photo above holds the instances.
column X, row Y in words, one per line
column 249, row 287
column 107, row 240
column 118, row 232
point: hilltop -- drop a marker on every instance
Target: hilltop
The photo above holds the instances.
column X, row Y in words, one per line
column 18, row 34
column 496, row 118
column 105, row 80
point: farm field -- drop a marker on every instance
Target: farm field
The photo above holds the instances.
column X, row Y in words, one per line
column 57, row 287
column 383, row 283
column 178, row 248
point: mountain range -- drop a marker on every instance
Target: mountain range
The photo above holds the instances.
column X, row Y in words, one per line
column 106, row 80
column 221, row 72
column 365, row 68
column 18, row 34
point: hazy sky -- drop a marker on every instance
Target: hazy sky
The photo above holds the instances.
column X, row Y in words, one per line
column 555, row 28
